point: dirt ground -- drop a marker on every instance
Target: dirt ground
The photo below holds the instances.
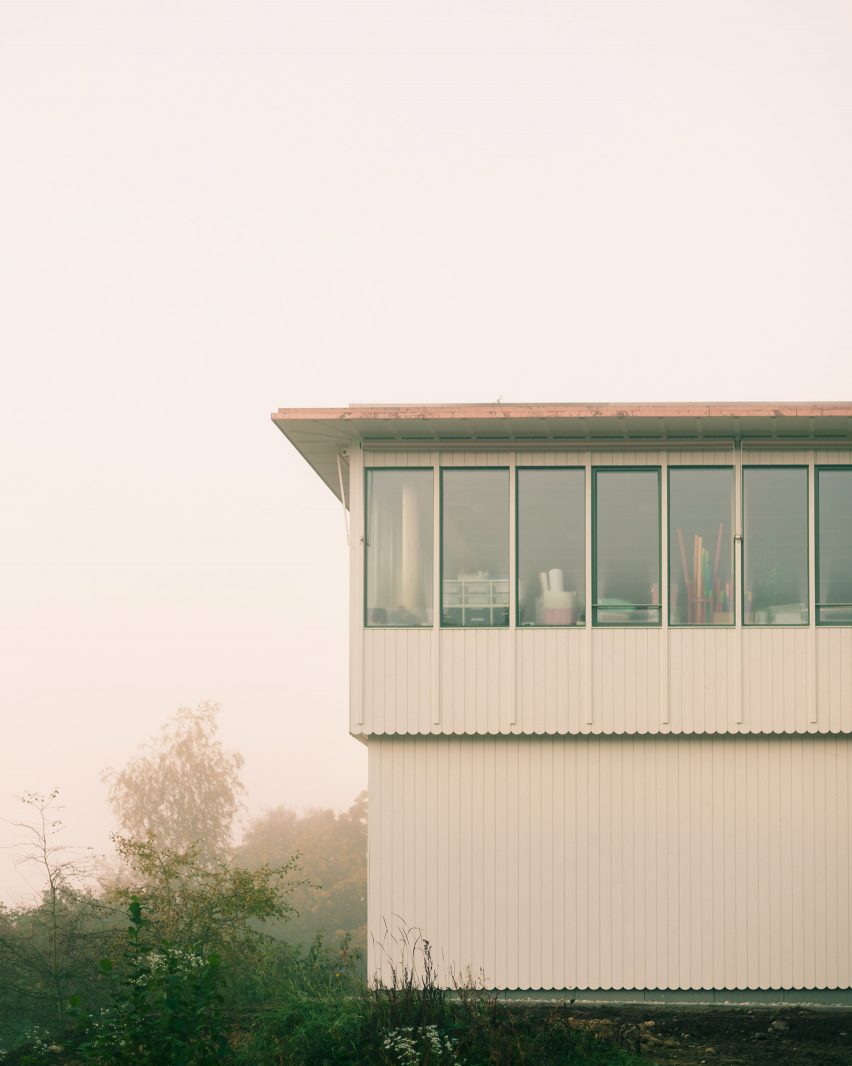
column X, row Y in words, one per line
column 720, row 1034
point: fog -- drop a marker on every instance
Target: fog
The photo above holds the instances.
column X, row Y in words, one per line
column 210, row 210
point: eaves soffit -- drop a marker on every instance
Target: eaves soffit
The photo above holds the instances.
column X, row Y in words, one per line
column 322, row 434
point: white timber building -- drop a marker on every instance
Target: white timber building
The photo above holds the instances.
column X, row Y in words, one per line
column 601, row 656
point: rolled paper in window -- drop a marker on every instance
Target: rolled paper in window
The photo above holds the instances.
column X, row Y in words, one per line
column 557, row 580
column 542, row 581
column 410, row 555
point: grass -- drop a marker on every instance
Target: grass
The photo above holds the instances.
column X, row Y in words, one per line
column 314, row 1008
column 329, row 1018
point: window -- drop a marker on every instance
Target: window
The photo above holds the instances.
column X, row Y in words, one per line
column 834, row 546
column 400, row 538
column 775, row 545
column 551, row 546
column 550, row 565
column 700, row 546
column 475, row 547
column 626, row 564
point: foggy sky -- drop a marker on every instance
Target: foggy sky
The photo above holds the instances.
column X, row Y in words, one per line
column 210, row 210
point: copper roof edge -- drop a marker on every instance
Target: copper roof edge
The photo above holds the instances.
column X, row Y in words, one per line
column 411, row 412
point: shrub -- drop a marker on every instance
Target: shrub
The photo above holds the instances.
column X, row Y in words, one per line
column 166, row 1007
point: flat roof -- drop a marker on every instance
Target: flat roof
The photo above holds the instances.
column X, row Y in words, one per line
column 321, row 433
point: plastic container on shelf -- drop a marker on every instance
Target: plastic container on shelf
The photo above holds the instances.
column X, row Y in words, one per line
column 558, row 608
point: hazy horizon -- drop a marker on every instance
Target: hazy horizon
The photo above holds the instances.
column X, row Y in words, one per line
column 209, row 211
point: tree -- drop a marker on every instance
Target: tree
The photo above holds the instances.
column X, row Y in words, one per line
column 332, row 853
column 210, row 906
column 185, row 790
column 209, row 909
column 49, row 949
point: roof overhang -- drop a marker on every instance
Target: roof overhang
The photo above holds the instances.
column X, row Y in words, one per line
column 323, row 434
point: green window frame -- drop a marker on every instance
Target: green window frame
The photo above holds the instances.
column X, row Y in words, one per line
column 397, row 615
column 545, row 606
column 474, row 599
column 831, row 612
column 609, row 611
column 700, row 575
column 773, row 606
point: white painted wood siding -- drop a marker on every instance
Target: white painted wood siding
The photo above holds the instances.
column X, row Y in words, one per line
column 595, row 681
column 617, row 862
column 705, row 692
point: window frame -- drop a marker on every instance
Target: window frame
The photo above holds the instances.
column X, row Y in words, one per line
column 586, row 548
column 734, row 589
column 365, row 591
column 593, row 550
column 744, row 532
column 454, row 469
column 818, row 468
column 590, row 522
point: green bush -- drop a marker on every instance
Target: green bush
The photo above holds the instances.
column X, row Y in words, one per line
column 166, row 1007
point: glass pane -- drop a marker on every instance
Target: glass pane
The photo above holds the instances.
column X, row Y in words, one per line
column 551, row 547
column 700, row 547
column 475, row 548
column 834, row 573
column 399, row 547
column 627, row 547
column 775, row 546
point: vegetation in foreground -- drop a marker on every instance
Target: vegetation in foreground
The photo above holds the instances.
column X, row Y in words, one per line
column 162, row 1003
column 181, row 956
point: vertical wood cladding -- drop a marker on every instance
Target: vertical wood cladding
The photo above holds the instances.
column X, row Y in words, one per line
column 705, row 692
column 615, row 862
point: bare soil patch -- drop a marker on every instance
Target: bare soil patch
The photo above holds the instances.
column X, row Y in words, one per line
column 719, row 1034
